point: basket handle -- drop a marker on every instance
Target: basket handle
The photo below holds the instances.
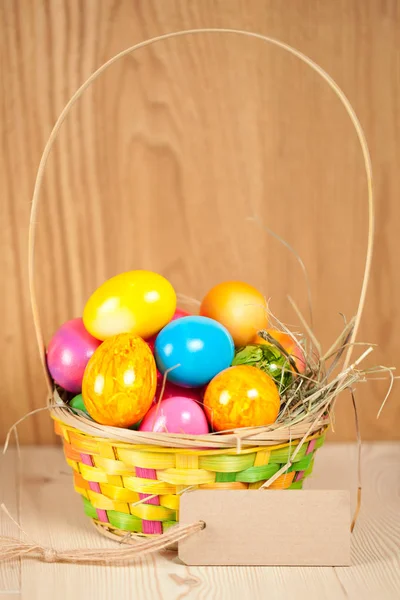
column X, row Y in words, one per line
column 53, row 135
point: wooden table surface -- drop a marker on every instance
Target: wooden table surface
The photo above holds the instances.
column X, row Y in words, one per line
column 41, row 498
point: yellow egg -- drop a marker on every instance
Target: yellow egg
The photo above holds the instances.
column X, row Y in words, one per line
column 241, row 396
column 120, row 381
column 138, row 302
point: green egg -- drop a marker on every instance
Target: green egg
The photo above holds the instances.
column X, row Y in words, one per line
column 269, row 359
column 78, row 403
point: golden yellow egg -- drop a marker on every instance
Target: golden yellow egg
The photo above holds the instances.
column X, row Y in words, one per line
column 120, row 381
column 138, row 302
column 240, row 307
column 241, row 396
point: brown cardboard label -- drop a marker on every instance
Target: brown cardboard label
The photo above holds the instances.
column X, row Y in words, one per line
column 267, row 527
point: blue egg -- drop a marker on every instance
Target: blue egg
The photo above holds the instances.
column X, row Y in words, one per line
column 200, row 346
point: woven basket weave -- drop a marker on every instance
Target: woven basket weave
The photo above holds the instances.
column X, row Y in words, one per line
column 132, row 481
column 127, row 487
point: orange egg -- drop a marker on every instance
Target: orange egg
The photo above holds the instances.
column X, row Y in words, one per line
column 288, row 343
column 120, row 381
column 240, row 307
column 241, row 396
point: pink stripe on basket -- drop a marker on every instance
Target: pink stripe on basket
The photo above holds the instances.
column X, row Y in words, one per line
column 310, row 448
column 149, row 526
column 94, row 486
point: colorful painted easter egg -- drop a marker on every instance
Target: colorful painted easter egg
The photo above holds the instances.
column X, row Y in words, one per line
column 240, row 307
column 241, row 396
column 137, row 302
column 120, row 381
column 289, row 344
column 68, row 353
column 78, row 404
column 195, row 349
column 176, row 415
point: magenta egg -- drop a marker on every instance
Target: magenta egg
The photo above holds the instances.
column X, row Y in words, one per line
column 176, row 415
column 68, row 353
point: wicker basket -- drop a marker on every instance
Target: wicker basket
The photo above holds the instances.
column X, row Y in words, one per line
column 132, row 481
column 129, row 487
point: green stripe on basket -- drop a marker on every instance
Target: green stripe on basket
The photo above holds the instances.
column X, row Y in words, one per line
column 303, row 464
column 255, row 474
column 167, row 524
column 297, row 485
column 310, row 468
column 225, row 477
column 89, row 509
column 282, row 455
column 226, row 463
column 125, row 521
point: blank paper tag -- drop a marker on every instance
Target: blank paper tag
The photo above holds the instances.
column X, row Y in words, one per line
column 267, row 527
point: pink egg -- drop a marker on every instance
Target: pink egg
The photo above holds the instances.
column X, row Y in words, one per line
column 68, row 353
column 176, row 415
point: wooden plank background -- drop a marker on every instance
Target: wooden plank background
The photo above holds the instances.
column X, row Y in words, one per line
column 168, row 154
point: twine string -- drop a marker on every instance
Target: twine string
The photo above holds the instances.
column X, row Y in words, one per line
column 129, row 550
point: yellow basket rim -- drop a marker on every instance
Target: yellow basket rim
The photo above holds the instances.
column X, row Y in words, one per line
column 187, row 451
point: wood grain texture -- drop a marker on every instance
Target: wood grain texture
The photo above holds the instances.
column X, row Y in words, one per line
column 165, row 157
column 52, row 514
column 10, row 572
